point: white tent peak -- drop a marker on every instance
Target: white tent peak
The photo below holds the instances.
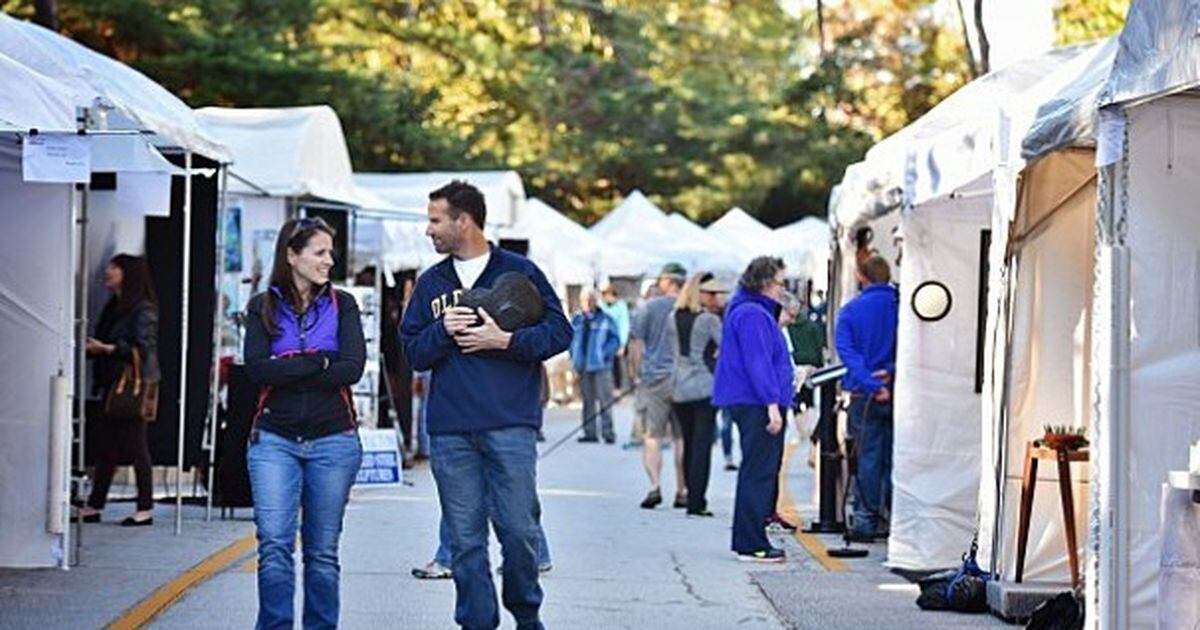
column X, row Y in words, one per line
column 635, row 209
column 739, row 225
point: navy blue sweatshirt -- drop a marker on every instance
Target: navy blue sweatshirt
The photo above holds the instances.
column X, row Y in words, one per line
column 488, row 390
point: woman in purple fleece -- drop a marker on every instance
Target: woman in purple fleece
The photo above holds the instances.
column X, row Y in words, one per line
column 754, row 382
column 304, row 349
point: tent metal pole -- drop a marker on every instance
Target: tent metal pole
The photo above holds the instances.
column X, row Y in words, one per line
column 81, row 333
column 214, row 391
column 183, row 346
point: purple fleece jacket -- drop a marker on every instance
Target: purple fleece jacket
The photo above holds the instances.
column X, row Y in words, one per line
column 753, row 367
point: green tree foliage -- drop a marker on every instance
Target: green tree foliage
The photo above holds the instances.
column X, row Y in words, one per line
column 1084, row 20
column 702, row 104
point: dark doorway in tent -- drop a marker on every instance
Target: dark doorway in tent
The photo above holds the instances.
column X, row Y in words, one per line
column 339, row 221
column 164, row 254
column 515, row 245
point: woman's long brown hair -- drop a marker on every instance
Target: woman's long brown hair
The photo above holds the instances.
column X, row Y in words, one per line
column 136, row 285
column 294, row 235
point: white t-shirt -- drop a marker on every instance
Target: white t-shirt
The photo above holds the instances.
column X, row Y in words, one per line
column 469, row 270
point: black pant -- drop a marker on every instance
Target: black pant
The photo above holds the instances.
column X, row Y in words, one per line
column 116, row 440
column 698, row 423
column 758, row 478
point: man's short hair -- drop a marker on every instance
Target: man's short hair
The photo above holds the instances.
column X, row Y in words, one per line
column 760, row 273
column 789, row 302
column 876, row 270
column 462, row 197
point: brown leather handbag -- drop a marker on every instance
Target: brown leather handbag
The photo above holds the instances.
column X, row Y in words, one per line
column 132, row 397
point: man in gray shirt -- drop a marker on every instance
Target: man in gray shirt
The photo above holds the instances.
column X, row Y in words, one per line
column 654, row 364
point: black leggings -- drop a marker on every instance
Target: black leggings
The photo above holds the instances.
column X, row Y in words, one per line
column 698, row 423
column 115, row 441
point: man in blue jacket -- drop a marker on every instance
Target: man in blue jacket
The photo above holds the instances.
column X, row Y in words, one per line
column 484, row 407
column 866, row 344
column 593, row 349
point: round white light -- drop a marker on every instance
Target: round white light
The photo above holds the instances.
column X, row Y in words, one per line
column 931, row 301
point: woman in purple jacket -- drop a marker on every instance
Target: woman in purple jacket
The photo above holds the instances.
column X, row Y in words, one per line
column 754, row 382
column 304, row 348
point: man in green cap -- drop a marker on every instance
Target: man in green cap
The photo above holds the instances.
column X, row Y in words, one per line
column 653, row 361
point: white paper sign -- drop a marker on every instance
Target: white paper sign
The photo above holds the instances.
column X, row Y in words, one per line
column 381, row 463
column 57, row 158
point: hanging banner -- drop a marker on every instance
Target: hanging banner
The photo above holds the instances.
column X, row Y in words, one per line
column 56, row 159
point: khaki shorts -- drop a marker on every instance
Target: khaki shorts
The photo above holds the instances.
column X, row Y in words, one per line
column 654, row 404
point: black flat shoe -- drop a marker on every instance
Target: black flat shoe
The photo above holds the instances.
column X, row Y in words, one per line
column 700, row 513
column 90, row 518
column 588, row 440
column 133, row 522
column 652, row 500
column 680, row 501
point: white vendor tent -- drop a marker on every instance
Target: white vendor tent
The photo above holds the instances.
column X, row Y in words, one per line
column 1146, row 344
column 503, row 191
column 120, row 97
column 705, row 251
column 1040, row 315
column 564, row 250
column 39, row 295
column 743, row 231
column 942, row 166
column 804, row 247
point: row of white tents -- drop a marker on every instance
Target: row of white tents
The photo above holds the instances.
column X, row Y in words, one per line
column 1055, row 200
column 69, row 115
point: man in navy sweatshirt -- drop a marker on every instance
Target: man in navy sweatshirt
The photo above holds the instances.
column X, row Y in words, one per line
column 866, row 344
column 484, row 407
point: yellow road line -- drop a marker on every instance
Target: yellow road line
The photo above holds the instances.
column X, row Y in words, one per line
column 787, row 509
column 169, row 593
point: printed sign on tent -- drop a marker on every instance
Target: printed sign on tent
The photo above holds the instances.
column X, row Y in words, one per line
column 381, row 464
column 57, row 158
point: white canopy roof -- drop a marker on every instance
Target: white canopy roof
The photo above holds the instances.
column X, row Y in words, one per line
column 1061, row 110
column 136, row 101
column 288, row 152
column 804, row 248
column 31, row 100
column 707, row 252
column 1158, row 52
column 503, row 191
column 949, row 147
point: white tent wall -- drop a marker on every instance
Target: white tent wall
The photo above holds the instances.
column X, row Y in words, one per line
column 936, row 453
column 1164, row 377
column 1048, row 359
column 36, row 305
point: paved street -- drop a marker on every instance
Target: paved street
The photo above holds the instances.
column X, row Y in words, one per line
column 615, row 565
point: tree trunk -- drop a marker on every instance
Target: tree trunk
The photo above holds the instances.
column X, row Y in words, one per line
column 984, row 48
column 962, row 20
column 46, row 13
column 821, row 25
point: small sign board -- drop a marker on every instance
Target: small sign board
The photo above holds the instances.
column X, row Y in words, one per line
column 381, row 463
column 56, row 158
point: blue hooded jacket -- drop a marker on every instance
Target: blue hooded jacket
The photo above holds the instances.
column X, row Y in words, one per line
column 595, row 343
column 866, row 337
column 753, row 367
column 488, row 390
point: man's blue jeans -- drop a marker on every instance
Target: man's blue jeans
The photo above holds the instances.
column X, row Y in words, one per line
column 726, row 432
column 491, row 474
column 444, row 556
column 871, row 426
column 285, row 476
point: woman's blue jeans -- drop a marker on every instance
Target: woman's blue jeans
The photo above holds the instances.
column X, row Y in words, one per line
column 285, row 476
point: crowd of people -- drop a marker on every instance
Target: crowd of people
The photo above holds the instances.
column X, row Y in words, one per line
column 698, row 356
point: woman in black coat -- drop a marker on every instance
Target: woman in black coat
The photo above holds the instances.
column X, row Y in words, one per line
column 129, row 321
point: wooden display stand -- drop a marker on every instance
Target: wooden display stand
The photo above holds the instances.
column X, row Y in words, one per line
column 1029, row 485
